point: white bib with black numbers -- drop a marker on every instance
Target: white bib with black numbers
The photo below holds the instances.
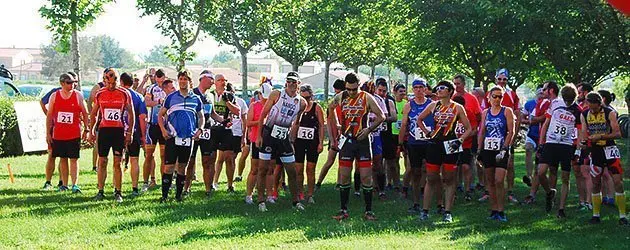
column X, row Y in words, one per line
column 112, row 114
column 279, row 132
column 561, row 127
column 205, row 134
column 420, row 135
column 342, row 140
column 183, row 141
column 449, row 149
column 306, row 133
column 492, row 144
column 65, row 117
column 612, row 152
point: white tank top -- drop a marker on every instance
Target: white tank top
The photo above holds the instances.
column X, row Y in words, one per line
column 284, row 112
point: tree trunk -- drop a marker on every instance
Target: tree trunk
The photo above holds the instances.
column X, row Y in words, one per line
column 372, row 71
column 356, row 69
column 244, row 73
column 326, row 79
column 406, row 80
column 181, row 64
column 479, row 78
column 295, row 66
column 74, row 44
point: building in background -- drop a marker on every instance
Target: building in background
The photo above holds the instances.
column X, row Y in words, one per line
column 24, row 63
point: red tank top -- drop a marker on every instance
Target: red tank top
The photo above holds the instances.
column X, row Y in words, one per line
column 111, row 105
column 66, row 117
column 253, row 132
column 353, row 113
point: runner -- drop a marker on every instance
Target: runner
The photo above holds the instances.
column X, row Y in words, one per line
column 277, row 118
column 226, row 106
column 417, row 142
column 536, row 117
column 247, row 147
column 608, row 189
column 400, row 99
column 90, row 102
column 67, row 111
column 378, row 173
column 392, row 171
column 473, row 112
column 600, row 127
column 309, row 143
column 109, row 104
column 495, row 138
column 511, row 100
column 338, row 86
column 50, row 162
column 180, row 120
column 139, row 130
column 239, row 142
column 584, row 160
column 208, row 153
column 354, row 141
column 253, row 117
column 558, row 137
column 154, row 98
column 443, row 155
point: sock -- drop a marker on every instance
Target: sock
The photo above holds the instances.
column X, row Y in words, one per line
column 166, row 184
column 597, row 204
column 357, row 181
column 344, row 193
column 179, row 185
column 116, row 191
column 620, row 200
column 367, row 193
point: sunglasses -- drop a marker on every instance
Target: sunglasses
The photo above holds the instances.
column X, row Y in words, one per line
column 441, row 87
column 497, row 96
column 68, row 83
column 291, row 81
column 501, row 79
column 352, row 89
column 111, row 76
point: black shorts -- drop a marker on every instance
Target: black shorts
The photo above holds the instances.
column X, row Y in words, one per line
column 155, row 135
column 133, row 149
column 554, row 154
column 66, row 148
column 273, row 148
column 236, row 144
column 113, row 138
column 465, row 157
column 306, row 149
column 356, row 150
column 598, row 159
column 176, row 154
column 221, row 139
column 417, row 153
column 389, row 145
column 206, row 148
column 254, row 151
column 474, row 146
column 436, row 154
column 489, row 160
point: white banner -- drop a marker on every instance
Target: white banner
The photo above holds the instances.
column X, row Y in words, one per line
column 32, row 125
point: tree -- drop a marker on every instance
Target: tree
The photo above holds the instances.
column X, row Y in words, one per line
column 68, row 17
column 55, row 63
column 239, row 24
column 180, row 22
column 157, row 56
column 112, row 54
column 288, row 38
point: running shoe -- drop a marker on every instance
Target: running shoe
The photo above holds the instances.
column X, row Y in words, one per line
column 76, row 189
column 99, row 196
column 93, row 169
column 414, row 210
column 238, row 179
column 549, row 200
column 595, row 220
column 60, row 183
column 561, row 214
column 341, row 215
column 357, row 194
column 118, row 197
column 249, row 200
column 589, row 206
column 527, row 180
column 262, row 207
column 230, row 190
column 135, row 193
column 512, row 198
column 468, row 196
column 382, row 196
column 480, row 187
column 152, row 184
column 623, row 221
column 145, row 187
column 493, row 216
column 529, row 199
column 62, row 188
column 208, row 194
column 179, row 198
column 271, row 200
column 484, row 198
column 369, row 216
column 447, row 217
column 424, row 215
column 460, row 188
column 215, row 186
column 502, row 217
column 298, row 206
column 311, row 200
column 47, row 186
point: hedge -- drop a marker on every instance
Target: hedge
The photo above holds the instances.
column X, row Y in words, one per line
column 10, row 143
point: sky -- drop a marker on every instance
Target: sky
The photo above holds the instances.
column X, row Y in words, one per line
column 26, row 28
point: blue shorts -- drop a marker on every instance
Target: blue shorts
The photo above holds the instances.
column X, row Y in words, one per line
column 377, row 145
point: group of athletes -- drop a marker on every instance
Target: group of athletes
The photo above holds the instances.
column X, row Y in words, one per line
column 444, row 134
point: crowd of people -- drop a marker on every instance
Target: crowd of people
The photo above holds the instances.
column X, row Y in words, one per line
column 443, row 134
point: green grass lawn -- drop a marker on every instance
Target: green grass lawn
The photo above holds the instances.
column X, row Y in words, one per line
column 32, row 218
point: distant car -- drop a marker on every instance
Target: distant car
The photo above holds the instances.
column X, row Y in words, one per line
column 7, row 89
column 36, row 90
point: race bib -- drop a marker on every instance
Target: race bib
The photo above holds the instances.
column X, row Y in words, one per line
column 574, row 136
column 460, row 129
column 279, row 132
column 398, row 125
column 420, row 135
column 65, row 117
column 112, row 115
column 449, row 147
column 612, row 152
column 384, row 126
column 492, row 144
column 306, row 133
column 183, row 141
column 342, row 140
column 205, row 134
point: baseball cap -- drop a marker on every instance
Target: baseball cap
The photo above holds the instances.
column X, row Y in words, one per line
column 293, row 75
column 265, row 90
column 65, row 77
column 419, row 82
